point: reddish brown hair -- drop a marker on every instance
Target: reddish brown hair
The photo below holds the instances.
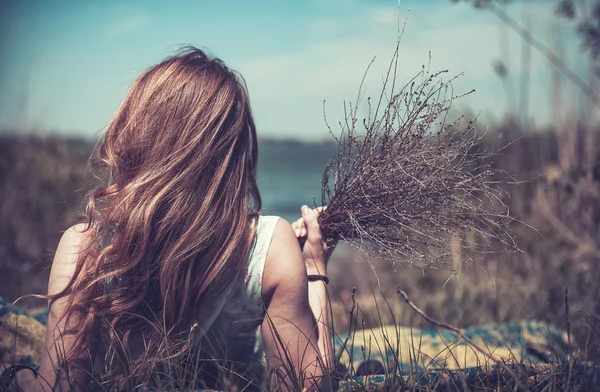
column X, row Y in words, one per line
column 180, row 155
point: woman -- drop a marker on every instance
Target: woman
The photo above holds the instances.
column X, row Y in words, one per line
column 175, row 268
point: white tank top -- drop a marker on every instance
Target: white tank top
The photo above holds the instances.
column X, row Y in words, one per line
column 244, row 310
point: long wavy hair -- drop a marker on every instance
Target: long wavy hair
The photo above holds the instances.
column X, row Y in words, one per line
column 180, row 196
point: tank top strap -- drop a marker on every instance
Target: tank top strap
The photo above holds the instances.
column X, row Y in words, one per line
column 258, row 254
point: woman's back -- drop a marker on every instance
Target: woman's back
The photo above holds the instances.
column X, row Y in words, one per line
column 235, row 318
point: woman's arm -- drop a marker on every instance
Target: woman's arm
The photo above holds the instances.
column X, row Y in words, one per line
column 299, row 354
column 51, row 374
column 316, row 255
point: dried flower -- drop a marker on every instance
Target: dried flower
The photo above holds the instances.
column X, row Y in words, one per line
column 405, row 178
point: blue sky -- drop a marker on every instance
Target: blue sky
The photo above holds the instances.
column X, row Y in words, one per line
column 66, row 65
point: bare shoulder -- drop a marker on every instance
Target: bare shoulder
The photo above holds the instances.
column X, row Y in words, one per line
column 66, row 256
column 283, row 236
column 284, row 262
column 74, row 235
column 70, row 243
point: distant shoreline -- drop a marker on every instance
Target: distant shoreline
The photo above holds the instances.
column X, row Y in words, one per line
column 268, row 140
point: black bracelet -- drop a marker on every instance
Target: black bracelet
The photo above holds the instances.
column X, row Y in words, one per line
column 9, row 374
column 314, row 278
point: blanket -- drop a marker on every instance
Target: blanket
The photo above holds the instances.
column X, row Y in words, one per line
column 398, row 349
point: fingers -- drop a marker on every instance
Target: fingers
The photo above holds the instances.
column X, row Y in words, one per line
column 316, row 251
column 308, row 223
column 311, row 223
column 299, row 227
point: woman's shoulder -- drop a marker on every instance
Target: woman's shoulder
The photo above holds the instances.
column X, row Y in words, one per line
column 73, row 239
column 66, row 256
column 284, row 259
column 266, row 228
column 78, row 231
column 276, row 232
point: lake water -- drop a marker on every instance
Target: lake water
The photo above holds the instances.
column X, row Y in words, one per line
column 289, row 175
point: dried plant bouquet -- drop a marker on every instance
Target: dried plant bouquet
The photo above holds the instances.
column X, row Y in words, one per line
column 405, row 179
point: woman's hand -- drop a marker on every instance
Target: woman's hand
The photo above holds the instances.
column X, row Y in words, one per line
column 316, row 251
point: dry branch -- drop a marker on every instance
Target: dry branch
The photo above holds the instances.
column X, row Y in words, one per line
column 405, row 178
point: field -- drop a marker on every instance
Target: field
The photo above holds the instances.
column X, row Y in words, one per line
column 555, row 200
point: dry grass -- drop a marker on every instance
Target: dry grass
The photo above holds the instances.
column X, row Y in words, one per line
column 196, row 370
column 42, row 183
column 560, row 200
column 406, row 181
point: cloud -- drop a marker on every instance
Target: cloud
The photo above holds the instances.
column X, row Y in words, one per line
column 288, row 89
column 125, row 26
column 385, row 16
